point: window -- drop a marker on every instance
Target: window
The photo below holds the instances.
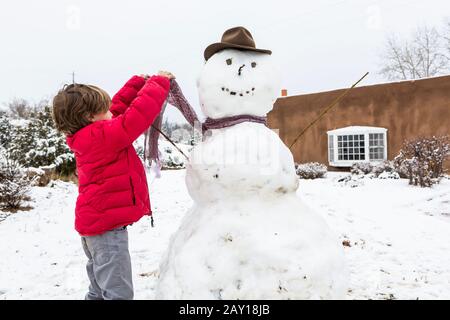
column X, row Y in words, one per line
column 376, row 146
column 356, row 144
column 351, row 147
column 330, row 148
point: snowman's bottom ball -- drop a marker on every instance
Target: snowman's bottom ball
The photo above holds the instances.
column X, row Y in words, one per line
column 253, row 249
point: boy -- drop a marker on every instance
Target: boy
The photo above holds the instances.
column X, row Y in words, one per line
column 113, row 191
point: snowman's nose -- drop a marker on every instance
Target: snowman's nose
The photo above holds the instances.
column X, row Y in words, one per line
column 240, row 69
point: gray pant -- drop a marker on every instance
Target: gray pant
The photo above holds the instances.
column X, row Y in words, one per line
column 109, row 266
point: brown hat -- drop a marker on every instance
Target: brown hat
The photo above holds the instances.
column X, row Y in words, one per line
column 234, row 38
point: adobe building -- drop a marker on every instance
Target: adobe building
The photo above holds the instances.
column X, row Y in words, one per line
column 369, row 124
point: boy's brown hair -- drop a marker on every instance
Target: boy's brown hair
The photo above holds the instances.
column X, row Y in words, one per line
column 75, row 104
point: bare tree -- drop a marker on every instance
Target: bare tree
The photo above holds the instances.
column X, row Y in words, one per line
column 22, row 109
column 429, row 45
column 19, row 108
column 446, row 37
column 421, row 56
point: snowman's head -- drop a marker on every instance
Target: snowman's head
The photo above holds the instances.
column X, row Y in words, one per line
column 235, row 82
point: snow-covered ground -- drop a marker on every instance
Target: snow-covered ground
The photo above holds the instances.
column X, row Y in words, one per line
column 399, row 235
column 399, row 238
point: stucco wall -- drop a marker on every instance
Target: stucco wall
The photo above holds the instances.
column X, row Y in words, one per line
column 408, row 109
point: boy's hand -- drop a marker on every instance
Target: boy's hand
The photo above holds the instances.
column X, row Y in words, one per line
column 166, row 74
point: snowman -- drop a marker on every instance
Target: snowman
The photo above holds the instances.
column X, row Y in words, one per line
column 248, row 235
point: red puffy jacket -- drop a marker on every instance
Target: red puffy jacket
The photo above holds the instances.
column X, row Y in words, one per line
column 113, row 189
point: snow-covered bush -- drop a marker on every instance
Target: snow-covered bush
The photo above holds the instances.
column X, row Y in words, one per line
column 36, row 143
column 388, row 175
column 14, row 184
column 382, row 170
column 38, row 176
column 171, row 158
column 6, row 132
column 311, row 170
column 139, row 147
column 351, row 180
column 361, row 168
column 181, row 135
column 383, row 167
column 422, row 160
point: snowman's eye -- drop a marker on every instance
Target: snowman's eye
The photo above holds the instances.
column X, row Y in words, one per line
column 253, row 64
column 229, row 61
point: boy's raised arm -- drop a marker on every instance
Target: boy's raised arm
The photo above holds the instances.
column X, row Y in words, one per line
column 121, row 131
column 122, row 99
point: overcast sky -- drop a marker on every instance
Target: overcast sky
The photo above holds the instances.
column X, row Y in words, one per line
column 319, row 45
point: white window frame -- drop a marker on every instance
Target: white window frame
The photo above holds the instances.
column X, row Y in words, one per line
column 378, row 142
column 333, row 159
column 331, row 148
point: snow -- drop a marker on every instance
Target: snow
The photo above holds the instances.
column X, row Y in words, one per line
column 44, row 254
column 357, row 129
column 20, row 122
column 399, row 237
column 389, row 175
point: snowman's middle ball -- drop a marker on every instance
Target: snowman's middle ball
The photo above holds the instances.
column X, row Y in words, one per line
column 235, row 82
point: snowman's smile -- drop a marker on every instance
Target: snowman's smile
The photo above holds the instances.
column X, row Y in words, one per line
column 240, row 93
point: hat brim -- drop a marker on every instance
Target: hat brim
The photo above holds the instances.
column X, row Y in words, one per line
column 216, row 47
